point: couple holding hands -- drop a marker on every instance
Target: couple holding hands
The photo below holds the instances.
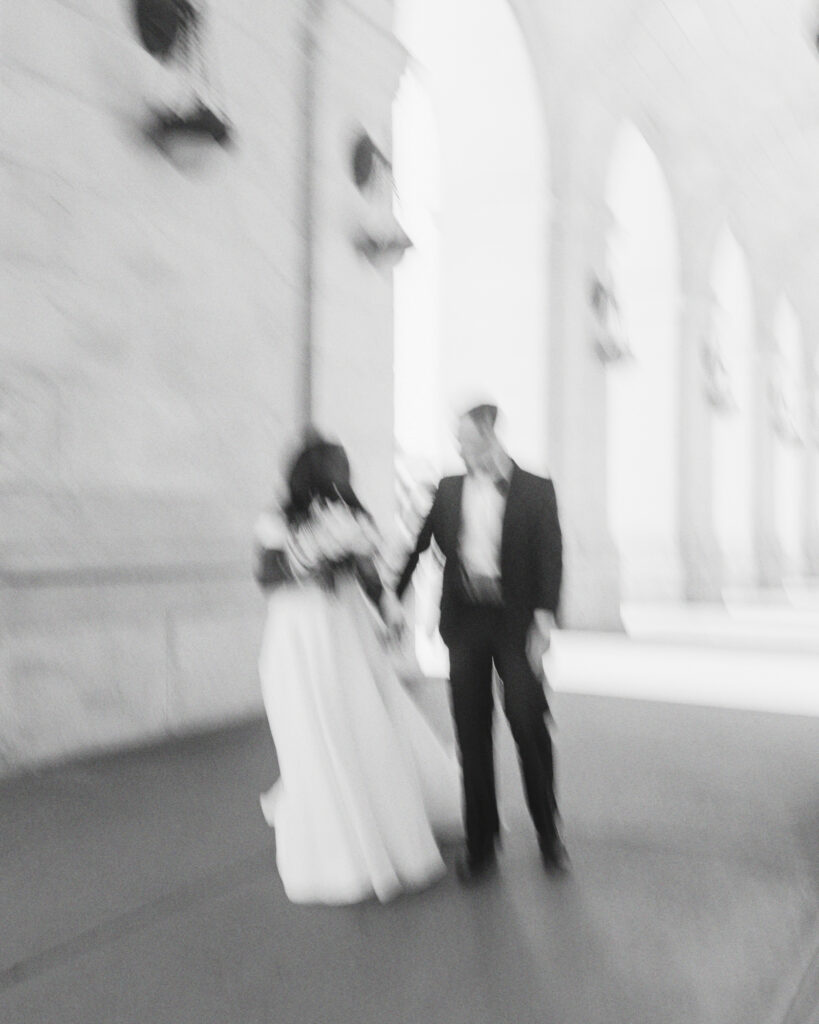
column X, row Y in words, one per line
column 367, row 790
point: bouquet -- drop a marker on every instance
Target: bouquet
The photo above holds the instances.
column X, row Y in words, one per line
column 333, row 541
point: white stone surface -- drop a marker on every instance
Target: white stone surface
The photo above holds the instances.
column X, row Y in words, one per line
column 151, row 359
column 212, row 671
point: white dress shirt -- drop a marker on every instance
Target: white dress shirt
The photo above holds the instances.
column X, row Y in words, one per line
column 482, row 514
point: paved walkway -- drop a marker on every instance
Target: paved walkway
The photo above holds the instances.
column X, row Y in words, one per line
column 142, row 889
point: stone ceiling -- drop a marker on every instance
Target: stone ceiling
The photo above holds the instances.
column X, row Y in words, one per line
column 731, row 87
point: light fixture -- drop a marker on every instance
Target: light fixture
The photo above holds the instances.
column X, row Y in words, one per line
column 717, row 382
column 610, row 339
column 172, row 32
column 386, row 251
column 783, row 418
column 367, row 160
column 716, row 378
column 162, row 23
column 380, row 239
column 167, row 127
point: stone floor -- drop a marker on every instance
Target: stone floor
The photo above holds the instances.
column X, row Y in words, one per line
column 141, row 889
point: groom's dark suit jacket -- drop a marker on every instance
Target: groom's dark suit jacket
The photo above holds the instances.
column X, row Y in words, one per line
column 531, row 549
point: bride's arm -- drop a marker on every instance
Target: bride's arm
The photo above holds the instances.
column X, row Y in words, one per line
column 366, row 564
column 271, row 568
column 279, row 558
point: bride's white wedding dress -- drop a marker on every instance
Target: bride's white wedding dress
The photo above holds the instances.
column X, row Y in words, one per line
column 366, row 787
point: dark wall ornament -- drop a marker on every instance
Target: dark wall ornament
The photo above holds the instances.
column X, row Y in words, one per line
column 380, row 239
column 172, row 31
column 163, row 24
column 167, row 126
column 716, row 379
column 385, row 251
column 783, row 417
column 367, row 160
column 610, row 339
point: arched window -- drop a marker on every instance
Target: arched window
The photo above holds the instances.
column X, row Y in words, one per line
column 643, row 392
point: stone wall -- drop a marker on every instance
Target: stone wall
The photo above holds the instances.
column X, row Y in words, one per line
column 151, row 366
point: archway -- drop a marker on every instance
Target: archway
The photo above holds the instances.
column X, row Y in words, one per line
column 471, row 171
column 643, row 391
column 472, row 180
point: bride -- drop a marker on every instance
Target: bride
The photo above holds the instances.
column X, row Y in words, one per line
column 366, row 787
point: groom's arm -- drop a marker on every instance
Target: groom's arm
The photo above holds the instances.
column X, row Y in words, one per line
column 549, row 559
column 421, row 544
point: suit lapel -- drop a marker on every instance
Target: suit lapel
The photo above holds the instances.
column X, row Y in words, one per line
column 508, row 515
column 456, row 515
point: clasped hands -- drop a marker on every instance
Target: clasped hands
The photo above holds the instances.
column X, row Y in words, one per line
column 393, row 615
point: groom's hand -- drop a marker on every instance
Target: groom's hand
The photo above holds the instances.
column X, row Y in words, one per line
column 539, row 640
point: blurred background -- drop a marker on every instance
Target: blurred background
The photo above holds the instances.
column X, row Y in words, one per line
column 223, row 220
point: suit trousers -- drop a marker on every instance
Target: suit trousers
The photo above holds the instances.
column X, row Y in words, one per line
column 480, row 638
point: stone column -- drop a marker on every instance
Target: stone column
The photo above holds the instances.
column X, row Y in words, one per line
column 699, row 546
column 766, row 539
column 577, row 390
column 810, row 406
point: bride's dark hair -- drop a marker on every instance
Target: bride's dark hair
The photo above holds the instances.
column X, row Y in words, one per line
column 320, row 470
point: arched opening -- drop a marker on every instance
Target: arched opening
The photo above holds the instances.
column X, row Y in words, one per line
column 471, row 171
column 472, row 180
column 788, row 419
column 643, row 391
column 729, row 378
column 417, row 331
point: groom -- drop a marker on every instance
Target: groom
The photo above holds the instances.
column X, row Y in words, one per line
column 499, row 533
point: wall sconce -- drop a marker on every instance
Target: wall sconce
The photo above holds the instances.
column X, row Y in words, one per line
column 168, row 128
column 717, row 383
column 386, row 252
column 368, row 163
column 380, row 240
column 162, row 23
column 717, row 380
column 172, row 32
column 610, row 340
column 786, row 428
column 783, row 419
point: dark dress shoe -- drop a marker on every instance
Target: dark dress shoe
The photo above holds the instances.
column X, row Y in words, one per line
column 554, row 856
column 472, row 870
